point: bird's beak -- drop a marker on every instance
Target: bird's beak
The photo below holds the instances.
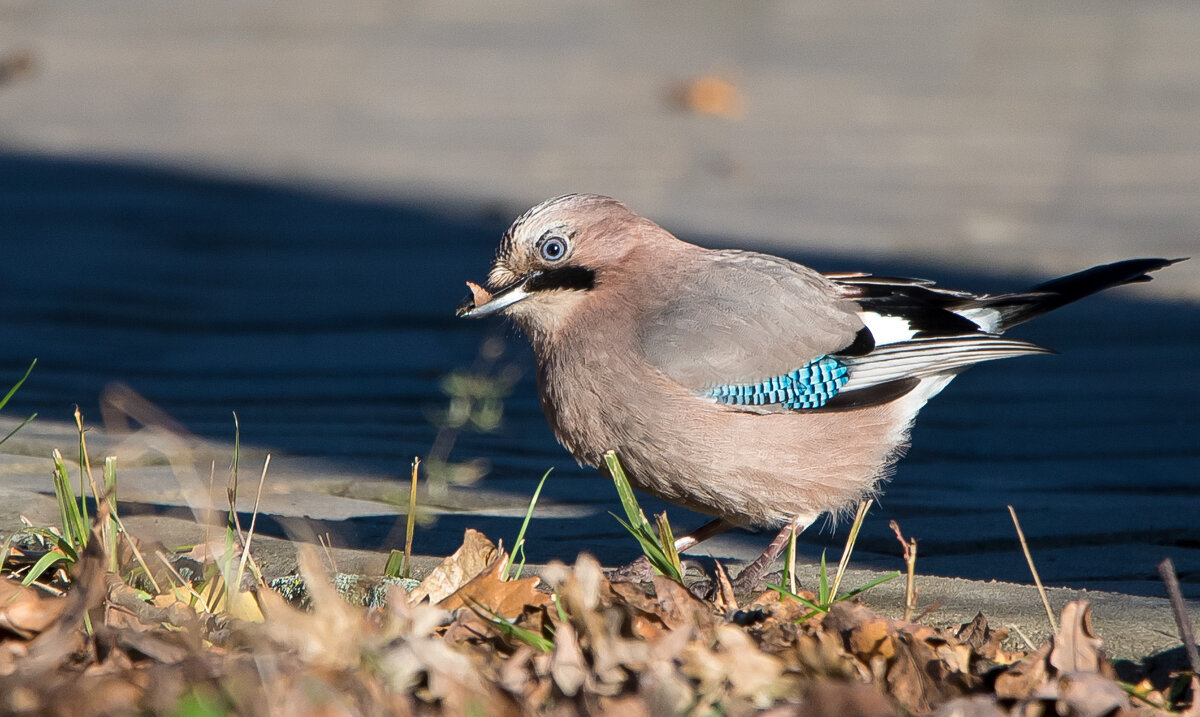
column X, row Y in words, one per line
column 482, row 303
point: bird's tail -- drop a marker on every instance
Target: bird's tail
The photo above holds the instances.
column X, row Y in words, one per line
column 1013, row 309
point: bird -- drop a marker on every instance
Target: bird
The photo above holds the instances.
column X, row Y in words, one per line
column 738, row 384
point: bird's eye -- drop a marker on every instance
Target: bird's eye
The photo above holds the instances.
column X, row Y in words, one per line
column 553, row 248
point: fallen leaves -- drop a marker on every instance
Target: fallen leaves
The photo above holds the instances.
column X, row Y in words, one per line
column 24, row 611
column 1076, row 647
column 471, row 558
column 570, row 642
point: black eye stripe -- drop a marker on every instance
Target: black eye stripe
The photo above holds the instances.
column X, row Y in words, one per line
column 569, row 278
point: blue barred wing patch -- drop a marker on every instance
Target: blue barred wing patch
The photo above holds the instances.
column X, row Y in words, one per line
column 809, row 386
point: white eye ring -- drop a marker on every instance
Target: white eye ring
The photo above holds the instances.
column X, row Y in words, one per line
column 553, row 248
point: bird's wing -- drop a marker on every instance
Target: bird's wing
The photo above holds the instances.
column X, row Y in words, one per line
column 740, row 318
column 762, row 334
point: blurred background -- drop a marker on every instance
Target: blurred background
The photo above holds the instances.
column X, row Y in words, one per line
column 270, row 208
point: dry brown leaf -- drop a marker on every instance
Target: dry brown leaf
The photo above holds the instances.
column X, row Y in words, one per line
column 474, row 555
column 985, row 641
column 1087, row 694
column 567, row 665
column 822, row 652
column 977, row 706
column 503, row 597
column 626, row 706
column 845, row 616
column 909, row 680
column 601, row 624
column 725, row 600
column 515, row 672
column 751, row 674
column 210, row 552
column 974, row 633
column 870, row 638
column 1022, row 679
column 786, row 609
column 161, row 647
column 679, row 607
column 332, row 633
column 1076, row 647
column 632, row 596
column 664, row 688
column 651, row 616
column 956, row 657
column 827, row 698
column 65, row 635
column 479, row 294
column 26, row 612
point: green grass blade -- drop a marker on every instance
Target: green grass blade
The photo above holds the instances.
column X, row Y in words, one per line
column 823, row 585
column 652, row 550
column 803, row 601
column 17, row 385
column 625, row 492
column 862, row 589
column 638, row 526
column 410, row 520
column 562, row 613
column 110, row 482
column 41, row 566
column 4, row 550
column 649, row 546
column 232, row 490
column 666, row 541
column 74, row 526
column 112, row 531
column 85, row 470
column 859, row 516
column 395, row 564
column 24, row 423
column 519, row 546
column 505, row 627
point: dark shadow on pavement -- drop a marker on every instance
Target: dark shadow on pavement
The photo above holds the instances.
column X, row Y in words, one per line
column 326, row 323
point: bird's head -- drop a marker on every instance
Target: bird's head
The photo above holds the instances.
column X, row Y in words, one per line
column 554, row 257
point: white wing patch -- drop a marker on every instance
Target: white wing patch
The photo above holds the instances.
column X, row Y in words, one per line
column 985, row 318
column 887, row 329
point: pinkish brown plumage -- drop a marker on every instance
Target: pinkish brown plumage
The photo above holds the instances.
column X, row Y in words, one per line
column 733, row 383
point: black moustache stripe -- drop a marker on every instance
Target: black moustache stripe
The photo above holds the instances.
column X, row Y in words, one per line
column 571, row 278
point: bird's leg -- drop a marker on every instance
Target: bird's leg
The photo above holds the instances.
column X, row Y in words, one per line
column 699, row 535
column 750, row 580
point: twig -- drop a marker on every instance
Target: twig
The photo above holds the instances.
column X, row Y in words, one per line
column 137, row 554
column 792, row 561
column 410, row 520
column 1028, row 643
column 859, row 517
column 1036, row 579
column 327, row 545
column 184, row 584
column 1166, row 569
column 910, row 562
column 935, row 605
column 253, row 519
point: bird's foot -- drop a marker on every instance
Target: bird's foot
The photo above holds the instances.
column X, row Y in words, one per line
column 753, row 579
column 639, row 571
